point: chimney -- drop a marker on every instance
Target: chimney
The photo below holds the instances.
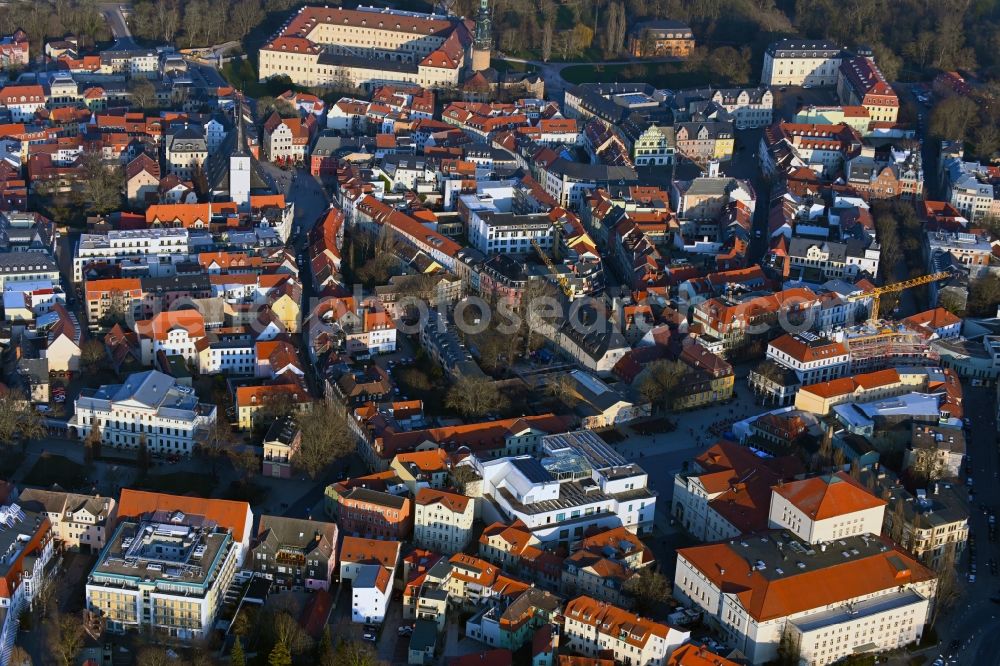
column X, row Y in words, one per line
column 713, row 168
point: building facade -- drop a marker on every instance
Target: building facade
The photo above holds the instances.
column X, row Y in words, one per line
column 165, row 571
column 594, row 628
column 295, row 554
column 800, row 62
column 369, row 46
column 79, row 522
column 149, row 409
column 442, row 521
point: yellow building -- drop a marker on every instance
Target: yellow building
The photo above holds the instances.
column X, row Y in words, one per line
column 288, row 310
column 250, row 400
column 724, row 147
column 709, row 379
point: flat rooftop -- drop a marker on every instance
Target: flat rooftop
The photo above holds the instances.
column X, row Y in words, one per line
column 167, row 548
column 858, row 611
column 572, row 494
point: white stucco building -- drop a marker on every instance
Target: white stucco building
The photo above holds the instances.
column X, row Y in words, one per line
column 825, row 508
column 370, row 566
column 579, row 483
column 155, row 248
column 800, row 62
column 831, row 600
column 149, row 407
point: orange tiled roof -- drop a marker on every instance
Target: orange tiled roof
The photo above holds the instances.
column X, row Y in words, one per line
column 96, row 288
column 932, row 319
column 845, row 385
column 159, row 327
column 452, row 501
column 10, row 581
column 828, row 496
column 768, row 598
column 804, row 352
column 615, row 621
column 358, row 550
column 435, row 460
column 255, row 396
column 473, row 570
column 516, row 534
column 227, row 513
column 697, row 655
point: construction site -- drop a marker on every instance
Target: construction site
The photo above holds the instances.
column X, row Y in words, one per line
column 878, row 345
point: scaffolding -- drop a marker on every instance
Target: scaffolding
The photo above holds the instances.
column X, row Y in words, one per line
column 560, row 278
column 881, row 346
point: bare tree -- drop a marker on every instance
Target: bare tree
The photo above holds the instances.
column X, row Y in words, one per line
column 614, row 36
column 353, row 653
column 660, row 383
column 216, row 441
column 245, row 461
column 152, row 655
column 475, row 397
column 325, row 438
column 947, row 583
column 93, row 354
column 142, row 93
column 562, row 386
column 64, row 637
column 246, row 14
column 20, row 657
column 462, row 476
column 102, row 183
column 547, row 40
column 649, row 589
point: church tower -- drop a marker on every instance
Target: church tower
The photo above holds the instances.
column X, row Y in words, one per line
column 239, row 163
column 483, row 42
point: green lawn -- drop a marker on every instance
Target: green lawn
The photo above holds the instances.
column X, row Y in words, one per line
column 178, row 483
column 660, row 75
column 54, row 469
column 503, row 66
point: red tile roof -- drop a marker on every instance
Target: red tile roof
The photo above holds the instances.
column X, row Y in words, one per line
column 614, row 621
column 160, row 326
column 358, row 550
column 768, row 598
column 828, row 496
column 452, row 501
column 227, row 513
column 697, row 655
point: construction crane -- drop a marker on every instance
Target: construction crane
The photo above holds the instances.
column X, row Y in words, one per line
column 876, row 293
column 563, row 281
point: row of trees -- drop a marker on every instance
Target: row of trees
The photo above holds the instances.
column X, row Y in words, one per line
column 55, row 18
column 278, row 635
column 962, row 119
column 201, row 22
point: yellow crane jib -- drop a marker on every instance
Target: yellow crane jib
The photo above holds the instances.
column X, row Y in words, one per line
column 563, row 282
column 876, row 293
